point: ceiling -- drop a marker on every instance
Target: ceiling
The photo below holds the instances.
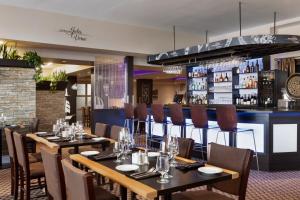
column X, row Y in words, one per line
column 216, row 16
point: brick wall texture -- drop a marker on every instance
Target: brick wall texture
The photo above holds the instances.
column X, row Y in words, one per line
column 17, row 94
column 49, row 107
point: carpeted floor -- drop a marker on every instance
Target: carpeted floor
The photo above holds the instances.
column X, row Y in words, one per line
column 262, row 186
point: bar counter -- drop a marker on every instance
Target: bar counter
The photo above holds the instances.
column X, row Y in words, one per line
column 277, row 133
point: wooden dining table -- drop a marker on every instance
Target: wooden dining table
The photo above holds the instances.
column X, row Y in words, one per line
column 59, row 145
column 149, row 188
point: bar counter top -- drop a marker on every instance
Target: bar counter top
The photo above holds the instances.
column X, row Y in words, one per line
column 253, row 109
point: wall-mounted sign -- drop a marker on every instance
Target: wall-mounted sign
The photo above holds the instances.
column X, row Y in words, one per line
column 75, row 33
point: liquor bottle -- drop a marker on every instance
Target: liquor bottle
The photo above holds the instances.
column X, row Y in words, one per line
column 250, row 84
column 248, row 67
column 216, row 78
column 221, row 78
column 238, row 70
column 226, row 78
column 242, row 100
column 256, row 66
column 252, row 67
column 254, row 100
column 237, row 100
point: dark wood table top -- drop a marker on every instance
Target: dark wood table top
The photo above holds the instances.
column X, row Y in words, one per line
column 150, row 188
column 86, row 140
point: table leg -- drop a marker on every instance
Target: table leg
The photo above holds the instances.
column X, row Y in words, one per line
column 76, row 150
column 167, row 196
column 123, row 193
column 59, row 151
column 133, row 196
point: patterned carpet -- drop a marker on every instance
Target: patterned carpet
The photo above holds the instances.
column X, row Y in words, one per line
column 262, row 186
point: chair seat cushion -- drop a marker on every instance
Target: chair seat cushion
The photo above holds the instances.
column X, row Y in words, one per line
column 201, row 194
column 37, row 170
column 34, row 157
column 102, row 194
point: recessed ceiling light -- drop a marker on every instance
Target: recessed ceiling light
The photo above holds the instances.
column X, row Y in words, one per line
column 49, row 63
column 64, row 61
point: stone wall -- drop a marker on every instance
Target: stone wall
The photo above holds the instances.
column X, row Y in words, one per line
column 17, row 94
column 49, row 107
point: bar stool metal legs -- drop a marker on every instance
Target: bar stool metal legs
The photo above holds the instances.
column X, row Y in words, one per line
column 201, row 140
column 223, row 135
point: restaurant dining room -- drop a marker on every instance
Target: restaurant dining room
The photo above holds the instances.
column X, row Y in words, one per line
column 150, row 100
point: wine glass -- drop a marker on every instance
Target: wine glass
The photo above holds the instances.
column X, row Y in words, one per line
column 162, row 166
column 173, row 150
column 118, row 151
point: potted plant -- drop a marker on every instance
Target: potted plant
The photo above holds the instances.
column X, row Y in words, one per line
column 34, row 60
column 11, row 58
column 55, row 81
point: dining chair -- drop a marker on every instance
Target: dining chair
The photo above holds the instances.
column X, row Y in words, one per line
column 34, row 125
column 230, row 158
column 33, row 157
column 54, row 174
column 186, row 146
column 80, row 185
column 227, row 121
column 101, row 129
column 28, row 171
column 114, row 132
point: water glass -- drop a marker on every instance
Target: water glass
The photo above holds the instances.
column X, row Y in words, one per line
column 118, row 151
column 162, row 166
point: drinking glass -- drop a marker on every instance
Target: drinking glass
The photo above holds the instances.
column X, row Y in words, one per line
column 118, row 151
column 162, row 166
column 55, row 129
column 173, row 150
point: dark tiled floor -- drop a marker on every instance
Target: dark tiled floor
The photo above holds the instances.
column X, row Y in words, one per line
column 262, row 186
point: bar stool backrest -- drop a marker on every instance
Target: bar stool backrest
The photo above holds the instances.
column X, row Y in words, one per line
column 142, row 113
column 176, row 114
column 226, row 117
column 129, row 111
column 21, row 151
column 114, row 132
column 199, row 116
column 158, row 113
column 54, row 174
column 100, row 129
column 234, row 159
column 79, row 184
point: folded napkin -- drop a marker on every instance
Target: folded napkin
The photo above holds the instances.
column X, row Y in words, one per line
column 100, row 157
column 45, row 134
column 190, row 166
column 60, row 140
column 87, row 136
column 144, row 175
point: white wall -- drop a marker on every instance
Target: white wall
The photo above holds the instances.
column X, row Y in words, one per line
column 43, row 27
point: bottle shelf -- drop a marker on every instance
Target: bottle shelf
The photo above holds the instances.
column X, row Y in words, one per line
column 245, row 88
column 245, row 73
column 220, row 71
column 219, row 92
column 198, row 90
column 219, row 82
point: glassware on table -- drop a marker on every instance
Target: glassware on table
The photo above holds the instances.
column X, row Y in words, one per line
column 173, row 150
column 71, row 134
column 162, row 166
column 118, row 151
column 55, row 129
